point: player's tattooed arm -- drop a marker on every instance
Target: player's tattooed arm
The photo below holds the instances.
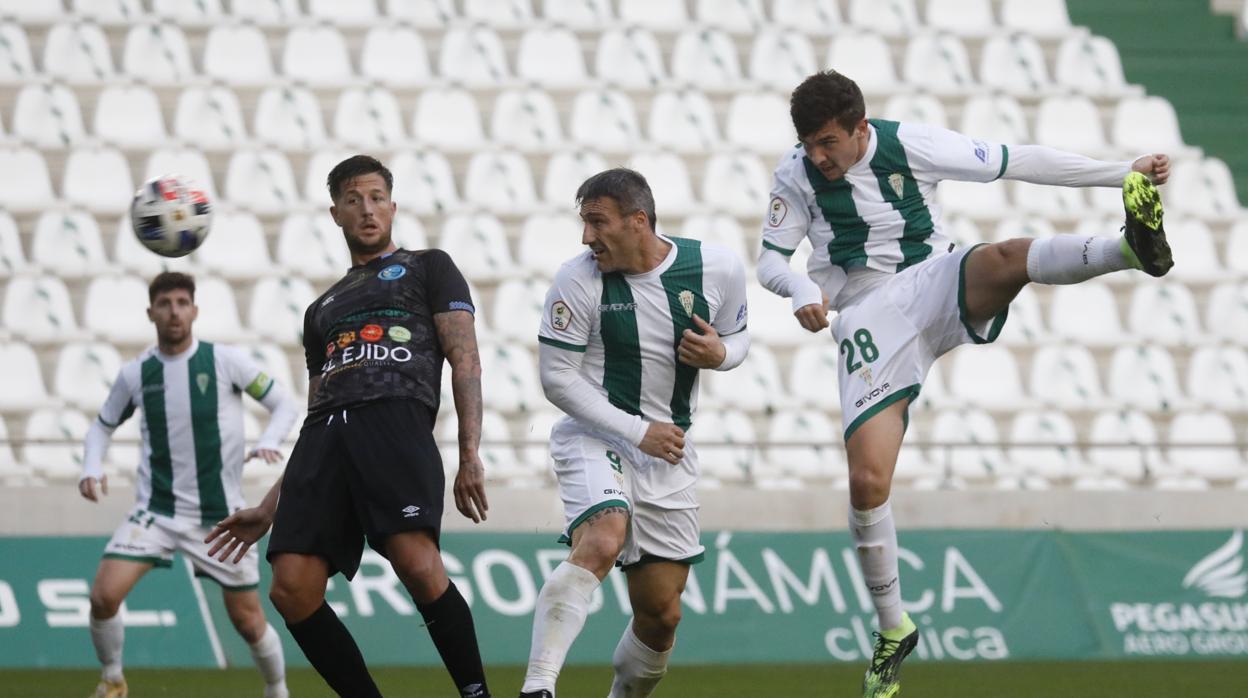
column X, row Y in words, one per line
column 458, row 339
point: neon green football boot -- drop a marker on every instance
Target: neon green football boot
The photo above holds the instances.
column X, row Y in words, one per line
column 883, row 679
column 1144, row 239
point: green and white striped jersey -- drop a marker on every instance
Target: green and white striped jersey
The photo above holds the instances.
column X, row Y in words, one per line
column 882, row 214
column 191, row 458
column 629, row 325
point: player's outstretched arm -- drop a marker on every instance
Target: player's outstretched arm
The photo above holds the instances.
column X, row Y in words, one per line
column 236, row 533
column 458, row 338
column 94, row 446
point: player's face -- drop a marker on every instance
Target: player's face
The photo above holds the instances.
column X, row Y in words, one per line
column 834, row 150
column 365, row 212
column 611, row 234
column 173, row 312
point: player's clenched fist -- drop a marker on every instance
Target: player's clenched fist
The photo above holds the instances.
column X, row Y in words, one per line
column 814, row 317
column 704, row 350
column 664, row 440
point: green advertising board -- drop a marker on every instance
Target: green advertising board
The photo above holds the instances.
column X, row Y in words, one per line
column 757, row 597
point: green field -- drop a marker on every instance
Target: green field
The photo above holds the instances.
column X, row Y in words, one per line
column 1162, row 679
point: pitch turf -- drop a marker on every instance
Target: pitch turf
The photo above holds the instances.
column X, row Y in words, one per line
column 1162, row 679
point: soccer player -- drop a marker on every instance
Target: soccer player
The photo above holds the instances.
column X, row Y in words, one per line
column 863, row 192
column 190, row 394
column 366, row 465
column 628, row 323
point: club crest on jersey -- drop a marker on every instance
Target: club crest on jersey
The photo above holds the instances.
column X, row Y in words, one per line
column 392, row 272
column 560, row 316
column 867, row 376
column 898, row 182
column 686, row 301
column 201, row 381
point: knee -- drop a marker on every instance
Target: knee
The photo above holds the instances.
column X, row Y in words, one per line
column 293, row 601
column 419, row 570
column 1004, row 263
column 598, row 551
column 103, row 605
column 656, row 628
column 868, row 487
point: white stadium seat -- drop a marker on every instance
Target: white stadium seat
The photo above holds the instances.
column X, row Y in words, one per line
column 48, row 116
column 1146, row 125
column 752, row 123
column 98, row 179
column 34, row 11
column 236, row 249
column 368, row 118
column 500, row 181
column 1123, row 445
column 1203, row 188
column 1046, row 201
column 119, row 12
column 630, row 58
column 605, row 120
column 317, row 55
column 448, row 118
column 565, row 171
column 347, row 13
column 12, row 258
column 780, row 58
column 237, row 54
column 423, row 182
column 1237, row 249
column 129, row 116
column 973, row 199
column 407, row 232
column 526, row 120
column 683, row 121
column 866, row 57
column 1090, row 64
column 547, row 241
column 963, row 231
column 56, row 461
column 957, row 438
column 260, row 181
column 517, row 310
column 115, row 309
column 186, row 161
column 754, row 386
column 1143, row 377
column 965, row 17
column 1013, row 63
column 84, row 373
column 68, row 244
column 707, row 58
column 735, row 183
column 1165, row 312
column 771, row 316
column 1204, row 444
column 726, row 445
column 38, row 309
column 218, row 311
column 199, row 13
column 24, row 183
column 427, row 14
column 497, row 454
column 916, row 107
column 1034, row 227
column 810, row 16
column 938, row 62
column 1195, row 253
column 311, row 245
column 395, row 56
column 1058, row 461
column 1047, row 18
column 478, row 244
column 157, row 54
column 718, row 228
column 889, row 17
column 1217, row 377
column 21, row 377
column 535, row 432
column 514, row 386
column 1085, row 313
column 11, row 471
column 289, row 117
column 277, row 307
column 654, row 14
column 738, row 17
column 266, row 12
column 16, row 64
column 1066, row 377
column 813, row 375
column 1025, row 324
column 509, row 14
column 473, row 56
column 585, row 14
column 669, row 180
column 996, row 118
column 133, row 258
column 820, row 456
column 551, row 57
column 211, row 118
column 986, row 377
column 1070, row 123
column 77, row 52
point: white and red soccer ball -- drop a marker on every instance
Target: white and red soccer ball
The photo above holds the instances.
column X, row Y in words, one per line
column 171, row 216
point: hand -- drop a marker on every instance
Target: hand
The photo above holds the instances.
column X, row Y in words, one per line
column 470, row 488
column 1156, row 166
column 238, row 532
column 705, row 350
column 268, row 455
column 664, row 440
column 814, row 317
column 86, row 487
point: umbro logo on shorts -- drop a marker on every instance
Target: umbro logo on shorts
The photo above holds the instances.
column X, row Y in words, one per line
column 411, row 510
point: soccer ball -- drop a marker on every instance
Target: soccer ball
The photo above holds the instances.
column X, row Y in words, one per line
column 171, row 216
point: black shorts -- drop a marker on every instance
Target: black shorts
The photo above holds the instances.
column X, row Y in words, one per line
column 366, row 471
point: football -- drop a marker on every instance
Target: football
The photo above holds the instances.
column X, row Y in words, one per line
column 171, row 216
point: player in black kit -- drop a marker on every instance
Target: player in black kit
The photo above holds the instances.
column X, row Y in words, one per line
column 365, row 465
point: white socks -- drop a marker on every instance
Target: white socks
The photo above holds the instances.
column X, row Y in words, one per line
column 637, row 667
column 875, row 538
column 561, row 609
column 1070, row 259
column 267, row 653
column 109, row 636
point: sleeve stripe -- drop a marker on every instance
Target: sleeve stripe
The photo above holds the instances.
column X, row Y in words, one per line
column 777, row 248
column 729, row 334
column 1005, row 160
column 561, row 345
column 107, row 423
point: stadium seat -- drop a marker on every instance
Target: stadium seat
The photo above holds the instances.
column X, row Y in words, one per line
column 964, row 17
column 759, row 122
column 473, row 56
column 16, row 64
column 33, row 11
column 497, row 452
column 500, row 181
column 1045, row 201
column 200, row 13
column 547, row 240
column 271, row 359
column 289, row 118
column 12, row 258
column 211, row 118
column 1195, row 253
column 48, row 116
column 918, row 107
column 807, row 462
column 266, row 12
column 67, row 244
column 12, row 473
column 1058, row 461
column 478, row 244
column 260, row 181
column 683, row 121
column 237, row 54
column 739, row 17
column 60, row 461
column 754, row 386
column 368, row 118
column 1123, row 444
column 187, row 161
column 128, row 116
column 311, row 245
column 1237, row 249
column 526, row 120
column 77, row 52
column 1203, row 188
column 505, row 14
column 84, row 373
column 517, row 310
column 630, row 58
column 718, row 228
column 1217, row 377
column 407, row 232
column 963, row 231
column 1165, row 312
column 996, row 118
column 706, row 58
column 813, row 374
column 132, row 257
column 956, row 437
column 1090, row 65
column 1070, row 123
column 585, row 14
column 236, row 249
column 1066, row 377
column 98, row 179
column 939, row 63
column 426, row 14
column 115, row 309
column 736, row 183
column 353, row 13
column 1143, row 377
column 38, row 309
column 218, row 312
column 565, row 171
column 986, row 377
column 395, row 56
column 277, row 307
column 1025, row 325
column 21, row 377
column 316, row 175
column 157, row 54
column 888, row 17
column 317, row 55
column 865, row 56
column 726, row 445
column 1013, row 63
column 820, row 17
column 24, row 183
column 1044, row 18
column 669, row 180
column 551, row 57
column 771, row 317
column 1085, row 313
column 1147, row 125
column 1035, row 227
column 514, row 386
column 605, row 120
column 448, row 118
column 1204, row 444
column 108, row 12
column 423, row 182
column 661, row 15
column 973, row 199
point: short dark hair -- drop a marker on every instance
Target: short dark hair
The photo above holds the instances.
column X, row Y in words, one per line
column 356, row 166
column 823, row 97
column 169, row 281
column 629, row 189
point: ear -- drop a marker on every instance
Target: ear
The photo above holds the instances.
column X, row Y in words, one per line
column 333, row 213
column 861, row 128
column 150, row 317
column 194, row 312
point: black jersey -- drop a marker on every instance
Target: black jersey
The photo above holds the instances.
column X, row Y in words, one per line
column 371, row 335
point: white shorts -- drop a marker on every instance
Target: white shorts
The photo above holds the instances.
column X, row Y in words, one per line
column 596, row 473
column 152, row 538
column 890, row 338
